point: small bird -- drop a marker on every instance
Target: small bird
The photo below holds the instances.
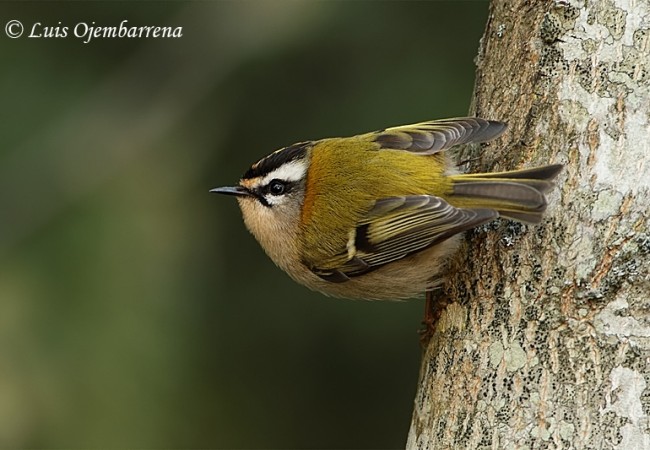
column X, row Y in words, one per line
column 376, row 216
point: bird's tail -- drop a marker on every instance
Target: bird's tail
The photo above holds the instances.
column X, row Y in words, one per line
column 518, row 194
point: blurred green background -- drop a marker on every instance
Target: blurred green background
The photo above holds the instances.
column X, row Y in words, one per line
column 135, row 309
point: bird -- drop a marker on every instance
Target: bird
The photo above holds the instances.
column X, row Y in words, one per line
column 377, row 216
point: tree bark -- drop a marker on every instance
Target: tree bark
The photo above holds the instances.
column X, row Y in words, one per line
column 546, row 342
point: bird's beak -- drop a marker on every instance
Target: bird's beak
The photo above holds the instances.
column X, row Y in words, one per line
column 239, row 191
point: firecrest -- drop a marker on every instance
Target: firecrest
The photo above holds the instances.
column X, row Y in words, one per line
column 376, row 216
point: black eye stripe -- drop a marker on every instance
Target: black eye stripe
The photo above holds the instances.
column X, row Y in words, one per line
column 273, row 188
column 277, row 187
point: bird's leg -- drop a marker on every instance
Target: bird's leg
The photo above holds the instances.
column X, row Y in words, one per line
column 467, row 161
column 433, row 308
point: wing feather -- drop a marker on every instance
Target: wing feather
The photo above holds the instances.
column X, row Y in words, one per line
column 397, row 227
column 431, row 137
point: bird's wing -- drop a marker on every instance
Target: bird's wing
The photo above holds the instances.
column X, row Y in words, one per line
column 431, row 137
column 396, row 227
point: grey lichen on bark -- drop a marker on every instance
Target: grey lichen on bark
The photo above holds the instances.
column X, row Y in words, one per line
column 546, row 342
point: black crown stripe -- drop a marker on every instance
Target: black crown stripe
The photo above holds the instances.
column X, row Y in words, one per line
column 276, row 159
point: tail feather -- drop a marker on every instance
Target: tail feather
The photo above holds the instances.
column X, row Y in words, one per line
column 518, row 195
column 539, row 177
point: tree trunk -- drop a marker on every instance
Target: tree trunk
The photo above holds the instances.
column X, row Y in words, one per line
column 546, row 342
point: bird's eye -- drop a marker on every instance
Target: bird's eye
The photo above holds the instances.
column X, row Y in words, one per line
column 277, row 187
